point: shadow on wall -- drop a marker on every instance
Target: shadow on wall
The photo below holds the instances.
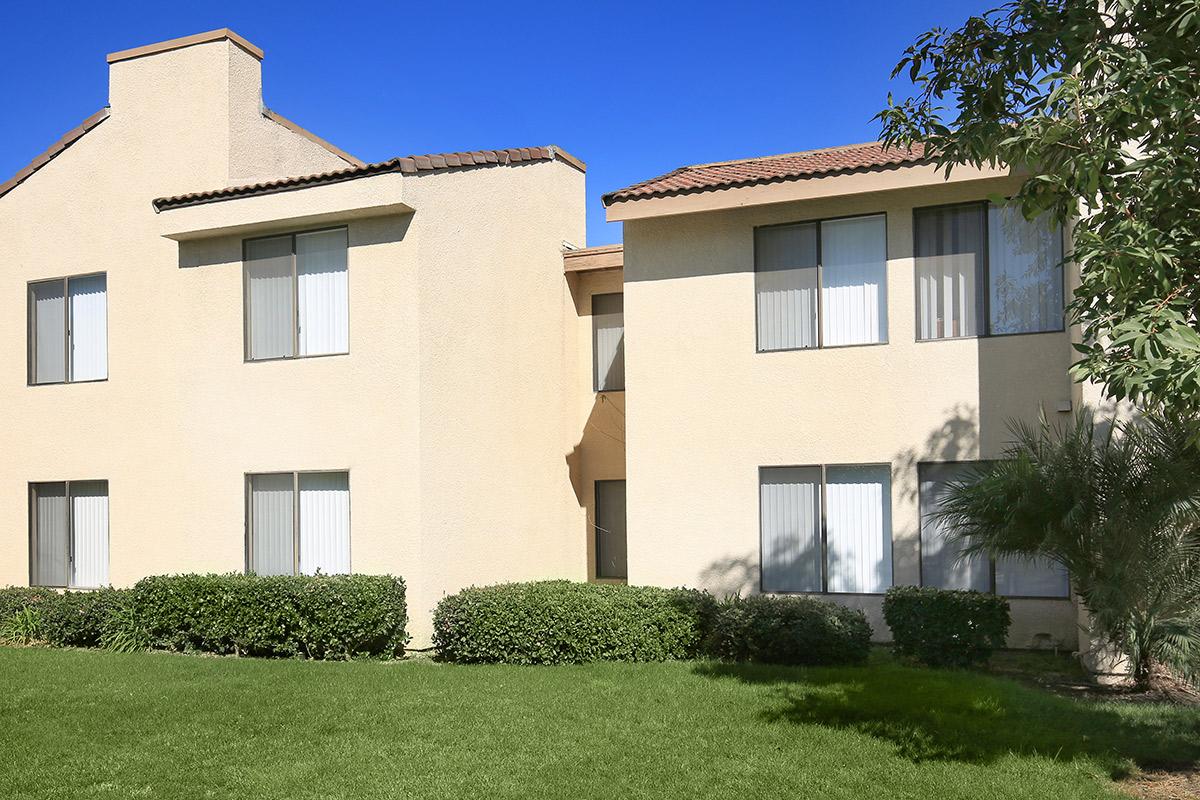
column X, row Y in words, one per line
column 601, row 445
column 936, row 715
column 228, row 249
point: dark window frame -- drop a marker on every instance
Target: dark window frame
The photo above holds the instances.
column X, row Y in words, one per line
column 596, row 388
column 820, row 267
column 985, row 276
column 824, row 591
column 68, row 333
column 249, row 525
column 247, row 358
column 599, row 531
column 921, row 465
column 34, row 533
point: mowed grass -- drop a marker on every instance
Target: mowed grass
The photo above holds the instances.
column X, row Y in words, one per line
column 85, row 724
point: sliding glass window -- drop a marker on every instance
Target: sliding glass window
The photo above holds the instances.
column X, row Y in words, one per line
column 68, row 534
column 297, row 295
column 826, row 529
column 945, row 566
column 298, row 523
column 611, row 552
column 821, row 284
column 984, row 269
column 68, row 329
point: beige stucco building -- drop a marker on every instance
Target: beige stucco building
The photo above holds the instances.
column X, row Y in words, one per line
column 233, row 346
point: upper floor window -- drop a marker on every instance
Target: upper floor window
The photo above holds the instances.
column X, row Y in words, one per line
column 821, row 284
column 68, row 534
column 608, row 342
column 298, row 523
column 297, row 295
column 826, row 529
column 943, row 564
column 984, row 269
column 68, row 329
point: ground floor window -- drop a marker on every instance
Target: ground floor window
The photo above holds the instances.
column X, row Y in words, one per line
column 298, row 523
column 944, row 566
column 68, row 534
column 611, row 561
column 826, row 528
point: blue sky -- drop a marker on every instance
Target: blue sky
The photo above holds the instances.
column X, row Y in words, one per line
column 634, row 89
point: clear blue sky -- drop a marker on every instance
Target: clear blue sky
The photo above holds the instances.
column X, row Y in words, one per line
column 634, row 89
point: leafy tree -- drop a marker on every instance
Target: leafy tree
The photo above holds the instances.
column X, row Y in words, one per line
column 1120, row 510
column 1099, row 101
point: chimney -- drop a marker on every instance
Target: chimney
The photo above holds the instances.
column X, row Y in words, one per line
column 184, row 98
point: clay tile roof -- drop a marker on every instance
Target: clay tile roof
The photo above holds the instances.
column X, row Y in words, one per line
column 69, row 138
column 406, row 165
column 769, row 169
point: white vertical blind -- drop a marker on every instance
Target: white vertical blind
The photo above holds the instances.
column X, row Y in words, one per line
column 790, row 510
column 50, row 332
column 1031, row 577
column 1024, row 272
column 854, row 281
column 323, row 292
column 942, row 563
column 325, row 523
column 89, row 327
column 611, row 552
column 859, row 528
column 52, row 566
column 269, row 297
column 89, row 532
column 271, row 524
column 608, row 331
column 785, row 286
column 949, row 252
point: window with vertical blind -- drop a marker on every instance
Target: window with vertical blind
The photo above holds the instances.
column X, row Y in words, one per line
column 297, row 295
column 68, row 329
column 984, row 270
column 821, row 284
column 826, row 528
column 68, row 534
column 943, row 564
column 608, row 342
column 298, row 523
column 611, row 552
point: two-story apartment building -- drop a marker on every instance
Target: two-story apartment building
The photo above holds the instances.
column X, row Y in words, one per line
column 229, row 345
column 818, row 342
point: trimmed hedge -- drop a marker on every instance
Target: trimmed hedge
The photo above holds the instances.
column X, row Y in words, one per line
column 64, row 619
column 561, row 622
column 321, row 616
column 946, row 628
column 789, row 630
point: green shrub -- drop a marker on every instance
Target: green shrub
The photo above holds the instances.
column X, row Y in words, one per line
column 21, row 628
column 789, row 630
column 561, row 622
column 944, row 628
column 322, row 616
column 64, row 619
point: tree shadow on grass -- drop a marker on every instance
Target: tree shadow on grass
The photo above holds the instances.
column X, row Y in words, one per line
column 938, row 715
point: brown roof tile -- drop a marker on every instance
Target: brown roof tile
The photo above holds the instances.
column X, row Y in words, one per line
column 69, row 138
column 768, row 169
column 406, row 165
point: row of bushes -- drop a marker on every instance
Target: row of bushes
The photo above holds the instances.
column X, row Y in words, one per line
column 338, row 616
column 559, row 622
column 549, row 622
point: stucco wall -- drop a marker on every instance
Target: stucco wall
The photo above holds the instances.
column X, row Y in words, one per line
column 454, row 412
column 599, row 450
column 705, row 410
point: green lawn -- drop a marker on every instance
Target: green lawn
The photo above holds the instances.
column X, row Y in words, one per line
column 93, row 724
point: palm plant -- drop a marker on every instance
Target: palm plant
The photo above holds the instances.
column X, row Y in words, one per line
column 1119, row 508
